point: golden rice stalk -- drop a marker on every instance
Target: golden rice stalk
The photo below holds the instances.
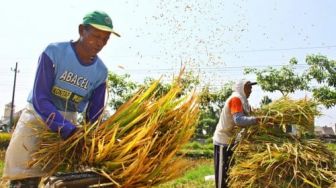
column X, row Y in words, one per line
column 293, row 163
column 286, row 111
column 267, row 156
column 137, row 146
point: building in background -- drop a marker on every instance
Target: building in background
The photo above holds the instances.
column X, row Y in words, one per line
column 5, row 118
column 326, row 133
column 325, row 130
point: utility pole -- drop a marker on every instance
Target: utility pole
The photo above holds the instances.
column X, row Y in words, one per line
column 11, row 121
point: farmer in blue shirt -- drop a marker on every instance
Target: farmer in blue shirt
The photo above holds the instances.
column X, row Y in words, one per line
column 70, row 78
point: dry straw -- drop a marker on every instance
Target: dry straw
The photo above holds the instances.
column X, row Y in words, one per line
column 137, row 146
column 267, row 156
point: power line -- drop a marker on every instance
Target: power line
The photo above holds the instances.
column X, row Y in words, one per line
column 239, row 51
column 215, row 68
column 283, row 49
column 233, row 51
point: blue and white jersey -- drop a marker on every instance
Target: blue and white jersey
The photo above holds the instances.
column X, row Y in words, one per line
column 64, row 83
column 74, row 81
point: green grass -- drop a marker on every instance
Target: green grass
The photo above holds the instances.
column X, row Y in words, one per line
column 194, row 177
column 1, row 167
column 197, row 150
column 4, row 140
column 332, row 147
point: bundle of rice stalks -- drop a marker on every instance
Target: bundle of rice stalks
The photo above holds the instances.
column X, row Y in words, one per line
column 267, row 156
column 290, row 163
column 286, row 111
column 135, row 147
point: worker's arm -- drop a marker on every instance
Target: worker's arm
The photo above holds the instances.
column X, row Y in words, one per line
column 42, row 102
column 239, row 118
column 96, row 104
column 243, row 121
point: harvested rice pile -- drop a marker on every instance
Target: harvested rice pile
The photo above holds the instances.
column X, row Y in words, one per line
column 135, row 147
column 267, row 156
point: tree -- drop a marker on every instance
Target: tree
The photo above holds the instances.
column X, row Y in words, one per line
column 212, row 103
column 120, row 88
column 284, row 79
column 215, row 100
column 189, row 82
column 324, row 72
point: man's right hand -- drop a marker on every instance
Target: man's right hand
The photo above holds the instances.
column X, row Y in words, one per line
column 268, row 120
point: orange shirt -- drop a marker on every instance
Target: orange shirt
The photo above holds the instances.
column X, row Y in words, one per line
column 235, row 105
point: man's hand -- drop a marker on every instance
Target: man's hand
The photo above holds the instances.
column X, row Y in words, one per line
column 265, row 120
column 75, row 131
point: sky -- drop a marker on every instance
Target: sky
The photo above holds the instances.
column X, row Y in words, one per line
column 215, row 39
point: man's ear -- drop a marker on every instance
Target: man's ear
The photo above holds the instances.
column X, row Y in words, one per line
column 81, row 29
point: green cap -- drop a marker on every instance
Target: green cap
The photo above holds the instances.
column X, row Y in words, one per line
column 99, row 20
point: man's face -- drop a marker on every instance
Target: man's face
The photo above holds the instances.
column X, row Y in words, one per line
column 93, row 40
column 248, row 89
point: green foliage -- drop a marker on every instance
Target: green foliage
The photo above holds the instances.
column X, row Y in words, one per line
column 197, row 150
column 209, row 141
column 195, row 145
column 326, row 95
column 163, row 88
column 214, row 100
column 283, row 79
column 332, row 147
column 212, row 103
column 120, row 89
column 189, row 82
column 1, row 167
column 286, row 80
column 324, row 72
column 206, row 127
column 4, row 140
